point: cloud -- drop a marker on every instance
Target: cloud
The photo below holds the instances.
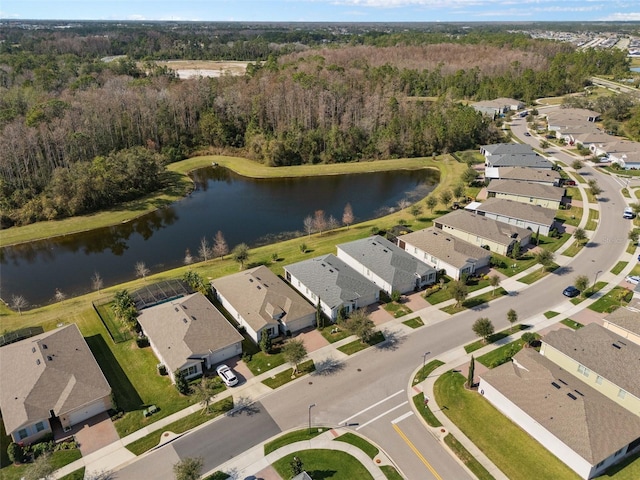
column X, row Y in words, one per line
column 622, row 17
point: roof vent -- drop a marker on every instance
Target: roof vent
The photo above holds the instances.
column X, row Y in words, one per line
column 49, row 358
column 579, row 393
column 37, row 361
column 33, row 349
column 251, row 280
column 562, row 381
column 185, row 320
column 622, row 343
column 177, row 309
column 259, row 287
column 555, row 385
column 616, row 346
column 44, row 345
column 331, row 270
column 572, row 396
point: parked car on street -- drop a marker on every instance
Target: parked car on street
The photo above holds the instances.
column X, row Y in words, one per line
column 633, row 279
column 628, row 213
column 571, row 291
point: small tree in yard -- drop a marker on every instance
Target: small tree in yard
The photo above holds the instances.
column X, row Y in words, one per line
column 582, row 283
column 188, row 468
column 512, row 316
column 296, row 466
column 360, row 325
column 472, row 372
column 182, row 385
column 469, row 176
column 544, row 257
column 577, row 165
column 319, row 315
column 204, row 392
column 294, row 352
column 634, row 235
column 415, row 210
column 320, row 221
column 240, row 254
column 494, row 281
column 265, row 342
column 41, row 468
column 528, row 338
column 431, row 202
column 459, row 292
column 188, row 258
column 204, row 250
column 445, row 198
column 580, row 235
column 347, row 215
column 483, row 328
column 594, row 187
column 515, row 251
column 141, row 270
column 220, row 247
column 15, row 453
column 18, row 302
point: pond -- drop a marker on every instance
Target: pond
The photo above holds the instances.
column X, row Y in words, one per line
column 246, row 210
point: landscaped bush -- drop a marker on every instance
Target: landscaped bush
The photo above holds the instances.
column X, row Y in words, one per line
column 142, row 342
column 15, row 452
column 162, row 369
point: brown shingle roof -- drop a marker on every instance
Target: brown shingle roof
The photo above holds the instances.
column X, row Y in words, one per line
column 528, row 174
column 187, row 326
column 255, row 293
column 591, row 424
column 627, row 318
column 51, row 371
column 518, row 210
column 501, row 233
column 536, row 190
column 593, row 347
column 444, row 246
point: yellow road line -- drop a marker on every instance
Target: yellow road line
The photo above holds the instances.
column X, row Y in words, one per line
column 415, row 450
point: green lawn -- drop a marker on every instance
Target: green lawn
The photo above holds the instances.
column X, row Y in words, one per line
column 538, row 274
column 359, row 442
column 324, row 464
column 571, row 324
column 608, row 303
column 58, row 459
column 574, row 249
column 571, row 217
column 287, row 376
column 425, row 371
column 118, row 332
column 551, row 314
column 425, row 411
column 513, row 451
column 475, row 301
column 469, row 460
column 357, row 345
column 619, row 267
column 478, row 344
column 592, row 222
column 390, row 472
column 397, row 309
column 180, row 426
column 75, row 475
column 631, row 248
column 261, row 362
column 333, row 333
column 414, row 322
column 502, row 354
column 291, row 437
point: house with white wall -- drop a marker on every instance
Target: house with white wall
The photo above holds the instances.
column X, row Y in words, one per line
column 578, row 424
column 189, row 334
column 546, row 196
column 544, row 176
column 525, row 215
column 386, row 265
column 625, row 321
column 332, row 283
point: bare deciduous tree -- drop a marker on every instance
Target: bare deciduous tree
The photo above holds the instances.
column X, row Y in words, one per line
column 59, row 295
column 96, row 282
column 308, row 225
column 404, row 203
column 347, row 215
column 204, row 251
column 332, row 223
column 319, row 221
column 18, row 302
column 188, row 258
column 220, row 247
column 141, row 270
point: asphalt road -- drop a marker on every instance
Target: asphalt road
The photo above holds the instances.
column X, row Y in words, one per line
column 368, row 393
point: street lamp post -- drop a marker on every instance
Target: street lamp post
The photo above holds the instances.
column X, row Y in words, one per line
column 597, row 273
column 310, row 407
column 424, row 359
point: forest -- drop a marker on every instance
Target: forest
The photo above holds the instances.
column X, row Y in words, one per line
column 82, row 132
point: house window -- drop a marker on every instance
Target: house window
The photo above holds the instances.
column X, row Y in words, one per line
column 619, row 452
column 599, row 464
column 583, row 370
column 530, row 199
column 621, row 394
column 22, row 433
column 192, row 370
column 599, row 380
column 39, row 426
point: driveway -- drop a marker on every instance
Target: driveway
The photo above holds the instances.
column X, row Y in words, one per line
column 95, row 433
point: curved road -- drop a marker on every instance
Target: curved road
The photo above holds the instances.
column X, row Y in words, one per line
column 369, row 392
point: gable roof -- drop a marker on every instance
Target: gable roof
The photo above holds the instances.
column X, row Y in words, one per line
column 332, row 280
column 584, row 419
column 387, row 260
column 526, row 189
column 469, row 222
column 601, row 351
column 571, row 116
column 446, row 247
column 528, row 174
column 187, row 328
column 261, row 297
column 507, row 148
column 521, row 211
column 51, row 371
column 627, row 317
column 526, row 160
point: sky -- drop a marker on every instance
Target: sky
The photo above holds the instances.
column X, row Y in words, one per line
column 324, row 10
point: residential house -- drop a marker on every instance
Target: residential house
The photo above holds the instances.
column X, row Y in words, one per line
column 625, row 321
column 526, row 192
column 601, row 358
column 263, row 303
column 481, row 231
column 334, row 284
column 525, row 215
column 577, row 423
column 506, row 149
column 564, row 117
column 615, row 149
column 497, row 107
column 50, row 381
column 544, row 176
column 189, row 334
column 386, row 265
column 627, row 160
column 445, row 252
column 524, row 160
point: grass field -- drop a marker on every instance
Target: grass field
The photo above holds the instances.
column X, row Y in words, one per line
column 469, row 460
column 592, row 222
column 476, row 301
column 324, row 464
column 414, row 322
column 616, row 297
column 502, row 354
column 619, row 267
column 287, row 376
column 478, row 344
column 291, row 437
column 358, row 442
column 358, row 345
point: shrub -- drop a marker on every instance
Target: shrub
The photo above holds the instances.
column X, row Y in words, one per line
column 162, row 369
column 528, row 338
column 142, row 342
column 395, row 296
column 15, row 452
column 265, row 343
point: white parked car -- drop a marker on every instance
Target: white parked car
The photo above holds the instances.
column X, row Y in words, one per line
column 226, row 374
column 633, row 279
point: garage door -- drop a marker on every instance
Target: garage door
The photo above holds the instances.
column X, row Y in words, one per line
column 86, row 412
column 222, row 355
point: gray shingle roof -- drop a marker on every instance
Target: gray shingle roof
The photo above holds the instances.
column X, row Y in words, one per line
column 508, row 148
column 483, row 227
column 518, row 160
column 444, row 246
column 332, row 280
column 592, row 425
column 387, row 260
column 529, row 174
column 570, row 116
column 518, row 210
column 185, row 327
column 51, row 371
column 593, row 347
column 529, row 189
column 627, row 318
column 258, row 293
